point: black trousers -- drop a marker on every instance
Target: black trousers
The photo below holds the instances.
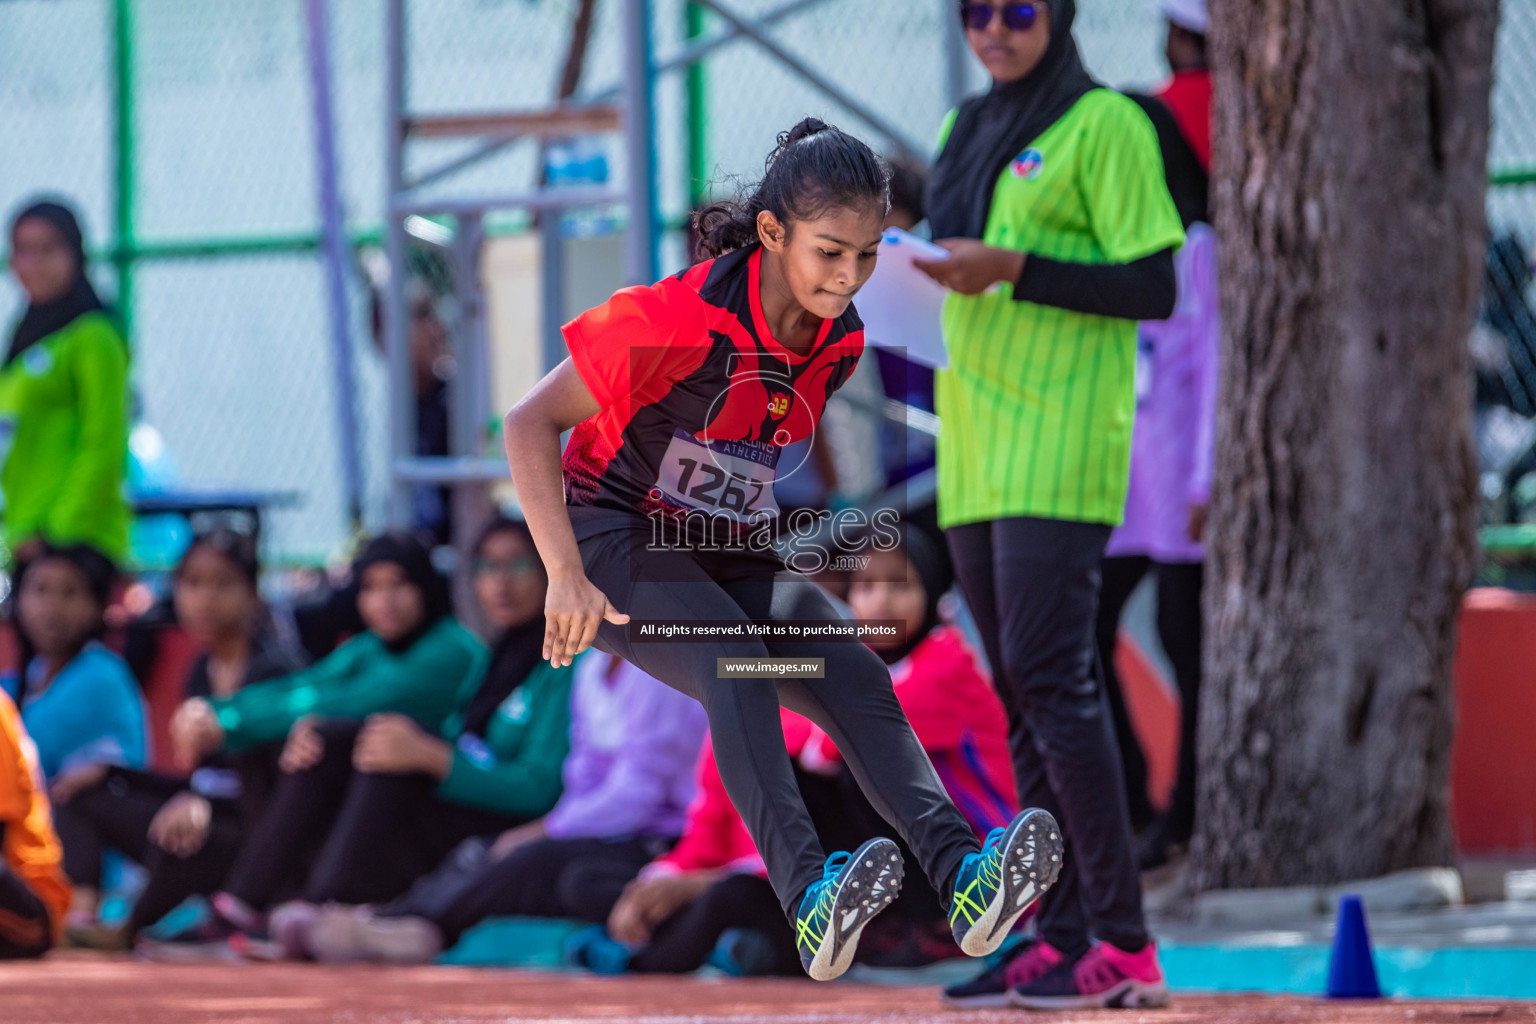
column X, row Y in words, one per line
column 843, row 819
column 116, row 813
column 333, row 834
column 1033, row 587
column 579, row 878
column 1179, row 630
column 683, row 942
column 854, row 703
column 26, row 929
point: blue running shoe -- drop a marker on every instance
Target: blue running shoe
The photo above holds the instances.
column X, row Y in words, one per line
column 593, row 949
column 853, row 889
column 995, row 886
column 743, row 953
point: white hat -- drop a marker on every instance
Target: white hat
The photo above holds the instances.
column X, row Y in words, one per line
column 1187, row 14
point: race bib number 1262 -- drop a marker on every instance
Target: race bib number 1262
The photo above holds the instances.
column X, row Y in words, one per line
column 731, row 478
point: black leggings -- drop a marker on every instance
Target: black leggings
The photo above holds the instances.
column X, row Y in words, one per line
column 580, row 878
column 854, row 703
column 844, row 819
column 1178, row 629
column 117, row 813
column 1033, row 587
column 334, row 834
column 683, row 942
column 26, row 930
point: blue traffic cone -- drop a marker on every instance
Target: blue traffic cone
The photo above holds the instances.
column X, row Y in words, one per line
column 1351, row 969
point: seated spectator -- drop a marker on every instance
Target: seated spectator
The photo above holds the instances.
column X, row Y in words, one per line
column 185, row 832
column 78, row 700
column 34, row 894
column 708, row 899
column 957, row 716
column 938, row 679
column 686, row 903
column 414, row 660
column 628, row 784
column 391, row 799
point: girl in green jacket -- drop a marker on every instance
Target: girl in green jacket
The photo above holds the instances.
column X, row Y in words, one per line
column 390, row 798
column 63, row 398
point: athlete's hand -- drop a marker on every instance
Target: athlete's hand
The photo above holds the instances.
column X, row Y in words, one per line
column 181, row 826
column 1197, row 518
column 973, row 266
column 512, row 838
column 76, row 781
column 304, row 749
column 392, row 744
column 195, row 732
column 573, row 610
column 626, row 924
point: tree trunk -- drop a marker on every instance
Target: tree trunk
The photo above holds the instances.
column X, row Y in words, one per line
column 1351, row 166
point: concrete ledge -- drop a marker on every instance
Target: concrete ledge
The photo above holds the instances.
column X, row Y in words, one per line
column 1520, row 886
column 1419, row 889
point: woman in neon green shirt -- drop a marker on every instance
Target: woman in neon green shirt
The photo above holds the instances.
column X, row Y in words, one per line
column 1050, row 196
column 63, row 398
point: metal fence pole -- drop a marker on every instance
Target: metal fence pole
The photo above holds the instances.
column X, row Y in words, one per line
column 640, row 243
column 551, row 289
column 956, row 52
column 336, row 256
column 468, row 403
column 123, row 151
column 402, row 396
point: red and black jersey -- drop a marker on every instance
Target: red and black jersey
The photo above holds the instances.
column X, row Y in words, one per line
column 698, row 398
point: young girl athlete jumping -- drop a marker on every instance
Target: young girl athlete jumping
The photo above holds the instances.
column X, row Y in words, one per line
column 700, row 381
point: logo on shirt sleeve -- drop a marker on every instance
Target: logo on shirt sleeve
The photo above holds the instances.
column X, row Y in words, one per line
column 516, row 707
column 37, row 362
column 1028, row 164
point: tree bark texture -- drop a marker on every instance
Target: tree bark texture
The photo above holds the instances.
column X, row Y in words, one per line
column 1351, row 145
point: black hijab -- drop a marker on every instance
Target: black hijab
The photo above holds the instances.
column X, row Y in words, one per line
column 514, row 654
column 100, row 576
column 1188, row 182
column 930, row 560
column 993, row 128
column 415, row 561
column 43, row 319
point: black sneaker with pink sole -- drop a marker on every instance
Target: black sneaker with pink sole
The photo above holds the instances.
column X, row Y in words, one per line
column 1104, row 977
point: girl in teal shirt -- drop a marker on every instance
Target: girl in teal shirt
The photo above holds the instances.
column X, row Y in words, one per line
column 78, row 700
column 415, row 664
column 63, row 398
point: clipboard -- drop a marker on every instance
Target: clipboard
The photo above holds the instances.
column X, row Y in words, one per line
column 902, row 307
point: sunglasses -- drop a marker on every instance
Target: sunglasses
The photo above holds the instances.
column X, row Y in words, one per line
column 1017, row 17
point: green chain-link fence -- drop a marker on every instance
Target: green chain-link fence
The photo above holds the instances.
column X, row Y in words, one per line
column 184, row 133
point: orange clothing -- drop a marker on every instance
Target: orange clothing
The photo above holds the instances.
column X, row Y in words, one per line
column 32, row 850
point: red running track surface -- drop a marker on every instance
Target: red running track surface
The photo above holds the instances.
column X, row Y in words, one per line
column 77, row 988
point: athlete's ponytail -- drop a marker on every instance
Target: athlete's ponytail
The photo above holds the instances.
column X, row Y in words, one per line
column 813, row 169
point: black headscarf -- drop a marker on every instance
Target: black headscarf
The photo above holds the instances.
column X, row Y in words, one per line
column 935, row 571
column 993, row 128
column 1188, row 182
column 415, row 561
column 43, row 319
column 514, row 654
column 100, row 576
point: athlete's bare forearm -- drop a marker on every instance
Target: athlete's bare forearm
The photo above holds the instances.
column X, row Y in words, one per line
column 531, row 433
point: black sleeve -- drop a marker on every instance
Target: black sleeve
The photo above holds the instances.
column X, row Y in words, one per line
column 1144, row 289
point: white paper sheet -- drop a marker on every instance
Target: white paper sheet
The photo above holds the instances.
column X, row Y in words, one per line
column 900, row 305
